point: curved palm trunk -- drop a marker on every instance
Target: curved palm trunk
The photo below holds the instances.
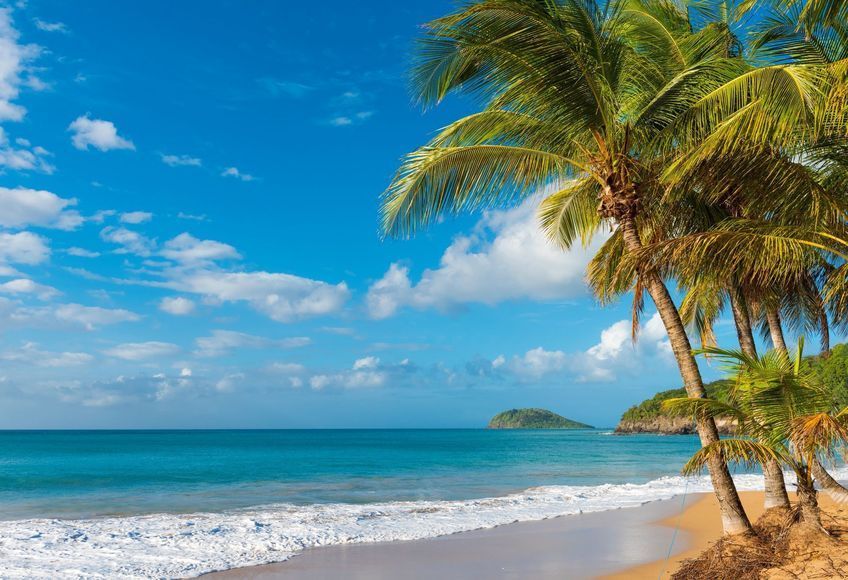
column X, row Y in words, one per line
column 829, row 485
column 775, row 485
column 733, row 516
column 776, row 330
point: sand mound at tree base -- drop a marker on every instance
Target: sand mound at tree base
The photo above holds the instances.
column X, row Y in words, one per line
column 781, row 551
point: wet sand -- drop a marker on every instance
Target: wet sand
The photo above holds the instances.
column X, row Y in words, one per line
column 569, row 547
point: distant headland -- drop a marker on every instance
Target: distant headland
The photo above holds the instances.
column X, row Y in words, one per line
column 533, row 419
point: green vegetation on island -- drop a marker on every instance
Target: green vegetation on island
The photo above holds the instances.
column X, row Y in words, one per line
column 533, row 419
column 830, row 371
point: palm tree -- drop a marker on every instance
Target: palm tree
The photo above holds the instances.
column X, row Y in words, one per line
column 592, row 99
column 782, row 416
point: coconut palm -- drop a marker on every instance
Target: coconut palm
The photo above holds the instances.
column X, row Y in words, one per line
column 592, row 99
column 782, row 415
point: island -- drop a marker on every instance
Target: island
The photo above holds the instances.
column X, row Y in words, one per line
column 533, row 419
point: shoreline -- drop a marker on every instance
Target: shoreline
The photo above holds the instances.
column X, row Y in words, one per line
column 587, row 545
column 644, row 542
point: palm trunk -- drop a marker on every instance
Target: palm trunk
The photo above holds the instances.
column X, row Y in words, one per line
column 808, row 502
column 824, row 329
column 829, row 485
column 776, row 331
column 775, row 485
column 743, row 322
column 733, row 516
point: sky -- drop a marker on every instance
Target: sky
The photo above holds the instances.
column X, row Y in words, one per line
column 189, row 235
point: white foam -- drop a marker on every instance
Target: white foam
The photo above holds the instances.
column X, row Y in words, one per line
column 184, row 545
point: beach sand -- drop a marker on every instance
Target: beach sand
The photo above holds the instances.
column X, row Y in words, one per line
column 647, row 542
column 569, row 547
column 701, row 525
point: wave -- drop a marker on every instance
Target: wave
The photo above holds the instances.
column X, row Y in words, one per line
column 186, row 545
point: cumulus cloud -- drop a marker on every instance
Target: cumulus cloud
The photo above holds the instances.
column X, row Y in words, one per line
column 97, row 133
column 15, row 68
column 222, row 342
column 281, row 297
column 613, row 354
column 136, row 217
column 187, row 249
column 235, row 172
column 22, row 156
column 181, row 161
column 130, row 242
column 23, row 248
column 24, row 286
column 506, row 257
column 23, row 207
column 138, row 351
column 176, row 305
column 365, row 373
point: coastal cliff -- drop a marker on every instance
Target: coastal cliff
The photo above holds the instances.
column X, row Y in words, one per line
column 665, row 425
column 649, row 416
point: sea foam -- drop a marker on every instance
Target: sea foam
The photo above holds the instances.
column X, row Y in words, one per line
column 185, row 545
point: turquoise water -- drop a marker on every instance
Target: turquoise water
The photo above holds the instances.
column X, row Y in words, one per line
column 76, row 474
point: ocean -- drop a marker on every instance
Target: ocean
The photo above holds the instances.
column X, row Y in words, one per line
column 152, row 504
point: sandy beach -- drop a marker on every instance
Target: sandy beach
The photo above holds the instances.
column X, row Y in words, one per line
column 648, row 542
column 617, row 544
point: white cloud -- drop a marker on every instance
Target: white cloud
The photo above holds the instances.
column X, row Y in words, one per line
column 187, row 249
column 613, row 354
column 130, row 242
column 341, row 121
column 23, row 248
column 192, row 217
column 222, row 342
column 81, row 252
column 27, row 286
column 50, row 26
column 24, row 207
column 234, row 172
column 176, row 305
column 369, row 362
column 229, row 382
column 352, row 119
column 505, row 258
column 365, row 373
column 137, row 351
column 136, row 217
column 15, row 68
column 181, row 161
column 30, row 354
column 24, row 157
column 91, row 317
column 282, row 297
column 100, row 134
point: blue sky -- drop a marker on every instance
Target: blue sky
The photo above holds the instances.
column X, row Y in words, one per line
column 188, row 235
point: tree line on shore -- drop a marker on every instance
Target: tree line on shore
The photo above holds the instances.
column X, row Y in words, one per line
column 707, row 142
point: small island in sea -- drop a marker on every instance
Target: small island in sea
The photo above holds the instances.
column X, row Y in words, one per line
column 533, row 419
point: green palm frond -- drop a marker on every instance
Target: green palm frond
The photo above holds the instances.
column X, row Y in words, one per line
column 571, row 213
column 436, row 180
column 745, row 452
